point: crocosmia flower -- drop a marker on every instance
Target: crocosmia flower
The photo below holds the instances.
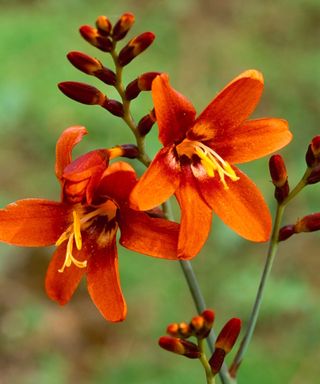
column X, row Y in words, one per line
column 197, row 160
column 84, row 224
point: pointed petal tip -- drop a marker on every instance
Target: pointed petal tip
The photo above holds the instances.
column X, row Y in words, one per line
column 252, row 74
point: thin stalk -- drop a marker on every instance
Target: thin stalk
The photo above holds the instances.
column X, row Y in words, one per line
column 204, row 361
column 272, row 250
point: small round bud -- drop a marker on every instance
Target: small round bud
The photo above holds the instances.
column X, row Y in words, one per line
column 286, row 232
column 104, row 25
column 114, row 107
column 146, row 123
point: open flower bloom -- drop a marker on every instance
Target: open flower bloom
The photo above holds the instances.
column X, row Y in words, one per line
column 196, row 163
column 83, row 226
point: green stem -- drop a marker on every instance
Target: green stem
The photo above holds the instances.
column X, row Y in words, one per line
column 204, row 361
column 272, row 250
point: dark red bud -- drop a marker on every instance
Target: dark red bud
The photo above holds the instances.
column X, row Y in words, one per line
column 228, row 335
column 314, row 176
column 132, row 90
column 83, row 93
column 278, row 170
column 315, row 146
column 114, row 107
column 84, row 63
column 281, row 193
column 92, row 36
column 309, row 223
column 217, row 360
column 135, row 46
column 122, row 26
column 146, row 123
column 106, row 75
column 129, row 151
column 180, row 346
column 145, row 80
column 286, row 232
column 104, row 25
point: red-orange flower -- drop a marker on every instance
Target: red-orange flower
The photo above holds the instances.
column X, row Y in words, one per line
column 195, row 163
column 84, row 224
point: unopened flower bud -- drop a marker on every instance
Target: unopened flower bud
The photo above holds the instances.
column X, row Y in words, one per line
column 93, row 37
column 180, row 346
column 135, row 46
column 313, row 152
column 286, row 232
column 179, row 330
column 279, row 177
column 84, row 63
column 309, row 223
column 129, row 151
column 83, row 93
column 314, row 176
column 216, row 360
column 146, row 123
column 278, row 170
column 228, row 335
column 104, row 25
column 201, row 325
column 114, row 107
column 142, row 83
column 122, row 26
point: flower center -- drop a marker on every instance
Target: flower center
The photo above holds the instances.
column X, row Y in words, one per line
column 210, row 160
column 82, row 221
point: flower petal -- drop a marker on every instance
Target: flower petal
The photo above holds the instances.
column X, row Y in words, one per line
column 33, row 222
column 254, row 139
column 196, row 216
column 68, row 139
column 103, row 279
column 241, row 207
column 150, row 236
column 175, row 114
column 221, row 118
column 60, row 286
column 158, row 183
column 118, row 181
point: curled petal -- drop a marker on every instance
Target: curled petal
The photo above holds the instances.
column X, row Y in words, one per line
column 175, row 114
column 196, row 216
column 253, row 139
column 103, row 278
column 60, row 286
column 150, row 236
column 230, row 108
column 158, row 183
column 68, row 139
column 33, row 222
column 241, row 206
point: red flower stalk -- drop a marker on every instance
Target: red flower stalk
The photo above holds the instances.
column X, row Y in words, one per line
column 181, row 330
column 83, row 226
column 196, row 161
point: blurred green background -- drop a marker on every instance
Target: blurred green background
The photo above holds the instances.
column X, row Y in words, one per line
column 202, row 44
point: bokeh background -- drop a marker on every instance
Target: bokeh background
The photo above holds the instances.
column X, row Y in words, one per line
column 202, row 44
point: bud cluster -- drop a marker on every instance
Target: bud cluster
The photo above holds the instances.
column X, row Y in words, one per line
column 200, row 327
column 105, row 37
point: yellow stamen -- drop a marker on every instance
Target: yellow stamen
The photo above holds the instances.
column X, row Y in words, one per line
column 210, row 160
column 76, row 229
column 73, row 232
